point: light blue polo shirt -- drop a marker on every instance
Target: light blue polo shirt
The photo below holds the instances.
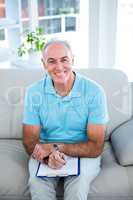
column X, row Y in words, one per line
column 65, row 119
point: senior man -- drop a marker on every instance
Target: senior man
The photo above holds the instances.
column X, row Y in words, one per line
column 64, row 114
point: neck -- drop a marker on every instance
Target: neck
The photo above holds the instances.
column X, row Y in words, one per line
column 64, row 89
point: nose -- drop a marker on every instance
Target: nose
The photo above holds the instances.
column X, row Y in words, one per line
column 59, row 65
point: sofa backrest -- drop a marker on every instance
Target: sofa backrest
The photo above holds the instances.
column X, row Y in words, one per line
column 12, row 89
column 118, row 91
column 14, row 82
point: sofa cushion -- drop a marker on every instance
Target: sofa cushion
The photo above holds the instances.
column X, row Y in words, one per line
column 13, row 170
column 114, row 181
column 122, row 142
column 14, row 173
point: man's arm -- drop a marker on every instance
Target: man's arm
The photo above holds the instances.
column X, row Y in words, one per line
column 92, row 148
column 32, row 144
column 30, row 137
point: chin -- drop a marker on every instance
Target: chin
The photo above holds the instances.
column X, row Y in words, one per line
column 60, row 81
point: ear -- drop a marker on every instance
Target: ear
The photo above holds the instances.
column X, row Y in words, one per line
column 72, row 59
column 44, row 66
column 43, row 62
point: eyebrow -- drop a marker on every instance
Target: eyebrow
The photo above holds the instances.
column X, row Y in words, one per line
column 49, row 59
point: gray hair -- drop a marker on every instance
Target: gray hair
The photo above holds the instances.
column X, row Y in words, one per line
column 57, row 41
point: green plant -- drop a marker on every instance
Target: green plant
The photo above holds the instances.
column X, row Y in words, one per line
column 33, row 41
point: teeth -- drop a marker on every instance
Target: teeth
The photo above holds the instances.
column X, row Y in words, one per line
column 59, row 73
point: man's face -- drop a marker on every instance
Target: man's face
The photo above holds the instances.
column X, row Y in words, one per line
column 58, row 62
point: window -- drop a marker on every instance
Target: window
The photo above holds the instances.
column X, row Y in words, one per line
column 2, row 8
column 57, row 7
column 58, row 16
column 124, row 47
column 64, row 19
column 70, row 24
column 51, row 16
column 24, row 15
column 50, row 25
column 2, row 31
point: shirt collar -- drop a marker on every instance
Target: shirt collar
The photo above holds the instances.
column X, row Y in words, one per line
column 75, row 91
column 48, row 85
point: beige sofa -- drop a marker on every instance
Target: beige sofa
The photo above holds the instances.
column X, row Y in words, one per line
column 115, row 181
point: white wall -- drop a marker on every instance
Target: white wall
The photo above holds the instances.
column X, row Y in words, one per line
column 102, row 33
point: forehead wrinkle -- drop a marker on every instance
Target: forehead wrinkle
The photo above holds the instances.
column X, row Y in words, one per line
column 57, row 58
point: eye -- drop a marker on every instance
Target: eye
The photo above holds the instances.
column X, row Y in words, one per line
column 51, row 61
column 65, row 60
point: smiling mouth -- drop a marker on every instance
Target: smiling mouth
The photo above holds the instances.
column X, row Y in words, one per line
column 60, row 73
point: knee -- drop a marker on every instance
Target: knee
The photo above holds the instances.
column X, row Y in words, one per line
column 35, row 182
column 76, row 194
column 76, row 189
column 36, row 187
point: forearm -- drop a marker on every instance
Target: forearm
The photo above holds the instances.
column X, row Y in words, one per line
column 30, row 137
column 38, row 150
column 30, row 145
column 84, row 149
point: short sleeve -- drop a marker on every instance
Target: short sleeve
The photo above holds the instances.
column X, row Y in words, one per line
column 98, row 112
column 31, row 108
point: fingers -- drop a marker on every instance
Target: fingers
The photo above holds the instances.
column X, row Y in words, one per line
column 40, row 151
column 56, row 160
column 54, row 164
column 63, row 156
column 59, row 157
column 36, row 153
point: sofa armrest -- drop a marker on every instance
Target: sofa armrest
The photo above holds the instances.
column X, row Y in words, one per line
column 122, row 143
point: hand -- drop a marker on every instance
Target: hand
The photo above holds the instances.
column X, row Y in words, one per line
column 41, row 151
column 56, row 160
